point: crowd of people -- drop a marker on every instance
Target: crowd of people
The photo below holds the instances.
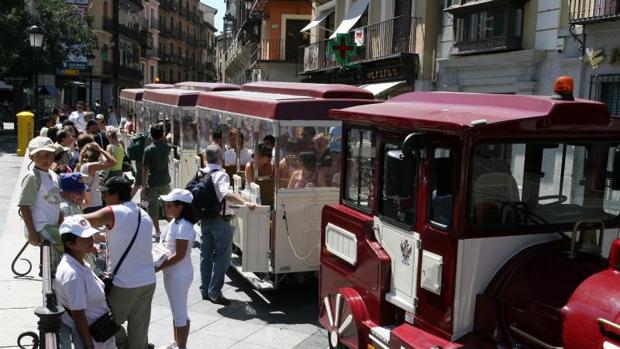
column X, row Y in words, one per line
column 78, row 194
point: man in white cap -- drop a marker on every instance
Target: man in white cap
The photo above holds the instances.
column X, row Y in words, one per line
column 39, row 201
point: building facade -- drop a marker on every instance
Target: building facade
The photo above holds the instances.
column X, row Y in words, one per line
column 182, row 33
column 149, row 58
column 520, row 46
column 207, row 71
column 262, row 39
column 386, row 46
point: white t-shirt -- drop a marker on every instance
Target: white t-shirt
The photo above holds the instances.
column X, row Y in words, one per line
column 137, row 269
column 179, row 230
column 230, row 157
column 45, row 208
column 94, row 186
column 221, row 182
column 112, row 121
column 78, row 120
column 78, row 288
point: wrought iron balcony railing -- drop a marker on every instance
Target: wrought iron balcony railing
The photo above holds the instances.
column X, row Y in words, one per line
column 376, row 41
column 590, row 11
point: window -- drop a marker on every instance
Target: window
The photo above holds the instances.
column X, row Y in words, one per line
column 606, row 88
column 441, row 187
column 360, row 168
column 399, row 209
column 543, row 183
column 490, row 26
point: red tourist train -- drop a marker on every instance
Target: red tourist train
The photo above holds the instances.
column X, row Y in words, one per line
column 474, row 221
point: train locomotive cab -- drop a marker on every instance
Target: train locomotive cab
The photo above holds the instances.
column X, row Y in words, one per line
column 474, row 221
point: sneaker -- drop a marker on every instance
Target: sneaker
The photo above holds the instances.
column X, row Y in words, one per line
column 219, row 300
column 172, row 345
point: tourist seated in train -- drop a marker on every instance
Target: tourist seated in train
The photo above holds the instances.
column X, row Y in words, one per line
column 128, row 125
column 308, row 175
column 322, row 142
column 264, row 166
column 289, row 163
column 190, row 135
column 306, row 142
column 217, row 139
column 330, row 165
column 230, row 155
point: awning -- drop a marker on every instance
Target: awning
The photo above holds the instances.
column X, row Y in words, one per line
column 48, row 91
column 382, row 87
column 351, row 17
column 4, row 86
column 320, row 18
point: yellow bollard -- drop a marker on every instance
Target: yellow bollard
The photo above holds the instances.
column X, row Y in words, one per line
column 25, row 131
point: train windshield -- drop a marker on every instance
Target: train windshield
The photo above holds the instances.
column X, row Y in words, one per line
column 544, row 183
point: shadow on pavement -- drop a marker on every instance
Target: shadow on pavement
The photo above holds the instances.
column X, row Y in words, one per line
column 8, row 142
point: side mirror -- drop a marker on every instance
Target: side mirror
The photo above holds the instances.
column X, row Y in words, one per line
column 413, row 142
column 398, row 174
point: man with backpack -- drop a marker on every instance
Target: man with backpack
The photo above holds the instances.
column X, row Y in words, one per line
column 212, row 204
column 155, row 176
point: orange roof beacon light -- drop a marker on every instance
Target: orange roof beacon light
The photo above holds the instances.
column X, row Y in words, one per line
column 563, row 88
column 157, row 80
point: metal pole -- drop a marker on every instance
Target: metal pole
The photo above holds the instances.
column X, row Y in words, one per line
column 90, row 88
column 36, row 86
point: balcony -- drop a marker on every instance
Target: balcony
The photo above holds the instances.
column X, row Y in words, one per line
column 169, row 5
column 131, row 31
column 591, row 11
column 151, row 52
column 275, row 50
column 154, row 24
column 376, row 41
column 130, row 73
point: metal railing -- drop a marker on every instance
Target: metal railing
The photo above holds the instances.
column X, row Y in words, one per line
column 606, row 88
column 376, row 41
column 588, row 11
column 151, row 52
column 108, row 24
column 275, row 50
column 131, row 31
column 154, row 24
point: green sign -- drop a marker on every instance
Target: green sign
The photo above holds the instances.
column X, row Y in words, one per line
column 342, row 48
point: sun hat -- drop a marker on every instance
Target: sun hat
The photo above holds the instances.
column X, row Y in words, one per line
column 39, row 143
column 177, row 194
column 72, row 183
column 78, row 226
column 99, row 117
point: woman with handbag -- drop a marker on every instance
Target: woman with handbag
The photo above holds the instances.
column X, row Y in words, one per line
column 80, row 291
column 176, row 262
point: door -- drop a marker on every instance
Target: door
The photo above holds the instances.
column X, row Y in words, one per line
column 401, row 26
column 294, row 38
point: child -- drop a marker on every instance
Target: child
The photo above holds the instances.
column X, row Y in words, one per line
column 73, row 193
column 39, row 201
column 177, row 266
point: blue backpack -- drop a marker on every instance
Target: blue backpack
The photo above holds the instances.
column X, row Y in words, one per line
column 205, row 203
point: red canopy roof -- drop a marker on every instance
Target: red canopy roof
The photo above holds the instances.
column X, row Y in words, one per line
column 157, row 86
column 274, row 105
column 309, row 90
column 133, row 94
column 173, row 97
column 205, row 86
column 456, row 112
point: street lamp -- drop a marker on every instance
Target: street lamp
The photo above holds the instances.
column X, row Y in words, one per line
column 36, row 35
column 91, row 63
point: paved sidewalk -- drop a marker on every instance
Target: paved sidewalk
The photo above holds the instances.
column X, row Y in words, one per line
column 283, row 319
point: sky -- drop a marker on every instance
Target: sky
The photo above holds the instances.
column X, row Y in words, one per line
column 220, row 5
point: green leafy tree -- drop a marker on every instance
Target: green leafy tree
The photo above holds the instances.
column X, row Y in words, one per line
column 67, row 31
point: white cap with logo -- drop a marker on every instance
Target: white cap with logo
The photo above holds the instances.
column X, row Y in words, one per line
column 78, row 226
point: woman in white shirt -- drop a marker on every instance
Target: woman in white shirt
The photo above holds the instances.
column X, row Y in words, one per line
column 77, row 288
column 177, row 266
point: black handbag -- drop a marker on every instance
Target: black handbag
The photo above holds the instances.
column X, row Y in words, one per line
column 104, row 327
column 106, row 277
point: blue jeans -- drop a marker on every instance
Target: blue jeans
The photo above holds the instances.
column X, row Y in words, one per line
column 215, row 254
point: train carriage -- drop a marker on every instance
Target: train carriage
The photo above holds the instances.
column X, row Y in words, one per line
column 280, row 237
column 474, row 221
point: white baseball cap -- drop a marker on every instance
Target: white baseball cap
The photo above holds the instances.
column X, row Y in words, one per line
column 182, row 195
column 78, row 226
column 40, row 143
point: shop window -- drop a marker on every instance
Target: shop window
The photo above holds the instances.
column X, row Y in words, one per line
column 490, row 26
column 606, row 88
column 360, row 168
column 441, row 191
